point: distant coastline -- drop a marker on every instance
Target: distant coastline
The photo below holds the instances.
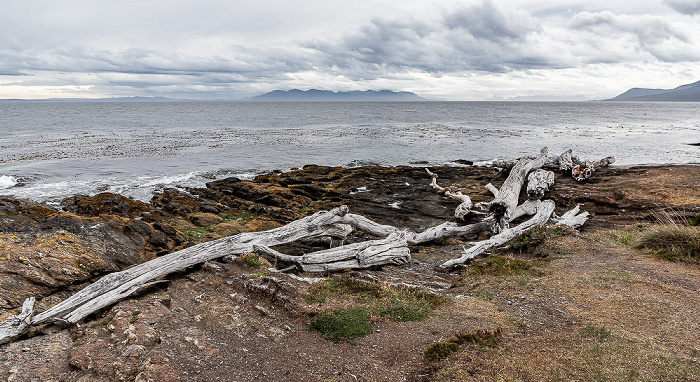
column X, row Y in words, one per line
column 683, row 93
column 315, row 95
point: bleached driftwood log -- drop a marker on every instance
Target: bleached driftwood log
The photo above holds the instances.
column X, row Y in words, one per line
column 506, row 200
column 465, row 201
column 392, row 250
column 539, row 182
column 584, row 170
column 116, row 286
column 544, row 210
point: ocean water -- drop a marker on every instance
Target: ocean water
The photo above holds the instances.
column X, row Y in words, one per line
column 50, row 150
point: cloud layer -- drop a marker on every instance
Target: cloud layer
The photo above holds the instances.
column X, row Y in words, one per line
column 174, row 51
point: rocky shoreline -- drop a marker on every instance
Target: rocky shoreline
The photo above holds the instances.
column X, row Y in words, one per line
column 51, row 254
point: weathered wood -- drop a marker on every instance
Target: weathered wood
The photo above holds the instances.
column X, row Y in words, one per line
column 544, row 211
column 539, row 182
column 584, row 170
column 392, row 250
column 116, row 286
column 465, row 206
column 15, row 326
column 572, row 218
column 444, row 230
column 507, row 199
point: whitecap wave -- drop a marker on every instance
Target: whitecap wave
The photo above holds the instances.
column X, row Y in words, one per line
column 7, row 181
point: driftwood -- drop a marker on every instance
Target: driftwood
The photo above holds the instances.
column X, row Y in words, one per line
column 539, row 182
column 15, row 326
column 465, row 206
column 391, row 249
column 584, row 170
column 544, row 210
column 507, row 199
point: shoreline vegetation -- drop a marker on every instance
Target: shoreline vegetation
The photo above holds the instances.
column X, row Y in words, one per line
column 614, row 300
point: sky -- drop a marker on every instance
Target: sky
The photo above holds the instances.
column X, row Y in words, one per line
column 440, row 50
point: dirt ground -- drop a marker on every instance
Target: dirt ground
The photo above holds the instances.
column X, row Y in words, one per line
column 594, row 310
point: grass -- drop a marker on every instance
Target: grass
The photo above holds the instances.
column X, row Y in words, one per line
column 379, row 301
column 342, row 323
column 482, row 339
column 670, row 239
column 238, row 216
column 539, row 240
column 500, row 266
column 675, row 242
column 196, row 234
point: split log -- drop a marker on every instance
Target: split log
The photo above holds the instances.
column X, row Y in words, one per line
column 392, row 250
column 539, row 182
column 507, row 199
column 544, row 211
column 465, row 205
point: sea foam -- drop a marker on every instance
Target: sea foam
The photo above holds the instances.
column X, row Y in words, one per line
column 7, row 181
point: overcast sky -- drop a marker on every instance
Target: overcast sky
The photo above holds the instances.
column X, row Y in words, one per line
column 444, row 50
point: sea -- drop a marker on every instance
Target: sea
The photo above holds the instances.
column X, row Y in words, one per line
column 51, row 150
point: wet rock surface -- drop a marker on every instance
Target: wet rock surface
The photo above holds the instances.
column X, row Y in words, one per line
column 228, row 321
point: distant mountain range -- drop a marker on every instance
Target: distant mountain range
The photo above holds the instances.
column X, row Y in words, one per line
column 315, row 95
column 684, row 93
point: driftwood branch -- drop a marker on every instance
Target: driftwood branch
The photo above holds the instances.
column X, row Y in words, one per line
column 465, row 206
column 544, row 210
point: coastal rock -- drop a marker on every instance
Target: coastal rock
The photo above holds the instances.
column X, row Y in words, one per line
column 104, row 203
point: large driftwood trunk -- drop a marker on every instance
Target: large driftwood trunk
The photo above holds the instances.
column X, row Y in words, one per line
column 507, row 199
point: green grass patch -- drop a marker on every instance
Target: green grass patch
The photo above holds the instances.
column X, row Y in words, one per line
column 539, row 240
column 342, row 287
column 342, row 323
column 675, row 242
column 393, row 303
column 499, row 266
column 440, row 350
column 481, row 338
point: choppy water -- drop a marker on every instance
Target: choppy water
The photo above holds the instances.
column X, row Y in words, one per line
column 49, row 150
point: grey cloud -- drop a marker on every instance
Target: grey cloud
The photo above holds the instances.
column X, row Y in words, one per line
column 686, row 7
column 623, row 37
column 486, row 21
